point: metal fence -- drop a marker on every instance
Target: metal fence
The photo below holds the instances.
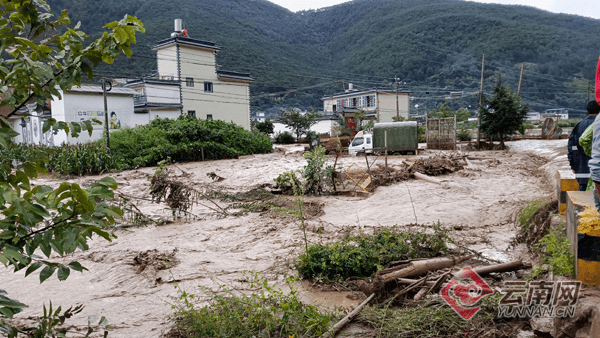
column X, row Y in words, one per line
column 441, row 133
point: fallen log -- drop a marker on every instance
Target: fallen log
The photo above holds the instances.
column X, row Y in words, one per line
column 415, row 284
column 340, row 325
column 427, row 178
column 415, row 268
column 504, row 267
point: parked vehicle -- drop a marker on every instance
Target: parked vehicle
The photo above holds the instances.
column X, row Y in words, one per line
column 401, row 138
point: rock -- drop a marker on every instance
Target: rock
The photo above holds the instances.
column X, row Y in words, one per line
column 542, row 327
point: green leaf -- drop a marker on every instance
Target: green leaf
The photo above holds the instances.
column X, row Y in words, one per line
column 77, row 267
column 109, row 182
column 63, row 273
column 32, row 268
column 46, row 273
column 103, row 322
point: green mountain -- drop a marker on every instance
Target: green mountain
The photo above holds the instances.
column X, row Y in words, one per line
column 435, row 47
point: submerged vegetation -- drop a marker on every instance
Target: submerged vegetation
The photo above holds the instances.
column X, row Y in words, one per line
column 360, row 256
column 266, row 312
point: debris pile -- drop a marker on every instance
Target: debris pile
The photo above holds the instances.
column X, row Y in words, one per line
column 154, row 259
column 409, row 281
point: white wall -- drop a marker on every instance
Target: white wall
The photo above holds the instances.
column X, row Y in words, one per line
column 167, row 62
column 162, row 93
column 321, row 127
column 81, row 106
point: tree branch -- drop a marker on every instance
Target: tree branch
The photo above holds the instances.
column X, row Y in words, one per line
column 33, row 94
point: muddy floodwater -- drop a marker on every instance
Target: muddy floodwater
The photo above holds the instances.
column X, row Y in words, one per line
column 478, row 203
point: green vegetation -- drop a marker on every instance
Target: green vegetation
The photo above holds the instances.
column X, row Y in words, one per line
column 360, row 256
column 502, row 114
column 266, row 127
column 526, row 213
column 183, row 140
column 78, row 159
column 568, row 123
column 428, row 319
column 41, row 220
column 266, row 312
column 463, row 135
column 314, row 177
column 298, row 122
column 285, row 138
column 554, row 248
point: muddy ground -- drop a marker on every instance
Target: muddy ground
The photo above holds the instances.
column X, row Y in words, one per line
column 125, row 285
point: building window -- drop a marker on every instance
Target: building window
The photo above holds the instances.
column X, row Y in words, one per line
column 208, row 87
column 371, row 101
column 189, row 81
column 334, row 107
column 209, row 116
column 192, row 112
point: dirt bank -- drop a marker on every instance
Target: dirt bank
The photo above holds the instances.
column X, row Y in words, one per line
column 477, row 202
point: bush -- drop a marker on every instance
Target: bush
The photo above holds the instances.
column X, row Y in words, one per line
column 464, row 135
column 266, row 127
column 422, row 138
column 183, row 140
column 285, row 138
column 267, row 312
column 363, row 255
column 556, row 254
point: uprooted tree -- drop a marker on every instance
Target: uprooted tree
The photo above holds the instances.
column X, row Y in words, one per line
column 36, row 60
column 503, row 114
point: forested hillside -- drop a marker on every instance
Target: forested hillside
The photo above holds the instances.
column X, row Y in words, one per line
column 434, row 46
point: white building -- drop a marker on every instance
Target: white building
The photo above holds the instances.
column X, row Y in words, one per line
column 380, row 105
column 75, row 105
column 188, row 82
column 324, row 125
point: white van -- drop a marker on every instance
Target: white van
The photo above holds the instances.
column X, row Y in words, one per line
column 362, row 143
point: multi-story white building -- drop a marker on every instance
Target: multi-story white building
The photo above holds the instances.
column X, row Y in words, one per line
column 188, row 82
column 379, row 104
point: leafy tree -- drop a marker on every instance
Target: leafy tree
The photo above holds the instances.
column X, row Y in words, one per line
column 503, row 114
column 446, row 111
column 298, row 122
column 266, row 127
column 36, row 60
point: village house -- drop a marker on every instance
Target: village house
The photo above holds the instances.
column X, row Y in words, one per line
column 189, row 82
column 380, row 105
column 75, row 105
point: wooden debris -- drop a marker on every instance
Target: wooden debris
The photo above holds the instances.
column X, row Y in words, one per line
column 427, row 178
column 349, row 317
column 504, row 267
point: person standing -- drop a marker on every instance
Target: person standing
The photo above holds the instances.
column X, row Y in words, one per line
column 577, row 157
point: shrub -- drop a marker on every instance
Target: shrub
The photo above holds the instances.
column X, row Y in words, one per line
column 362, row 255
column 267, row 312
column 266, row 127
column 422, row 138
column 285, row 138
column 183, row 140
column 554, row 248
column 464, row 135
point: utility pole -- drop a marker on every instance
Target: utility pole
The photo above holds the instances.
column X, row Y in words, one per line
column 104, row 90
column 397, row 107
column 521, row 79
column 589, row 90
column 480, row 103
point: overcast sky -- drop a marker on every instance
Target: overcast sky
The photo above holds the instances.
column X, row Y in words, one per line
column 589, row 8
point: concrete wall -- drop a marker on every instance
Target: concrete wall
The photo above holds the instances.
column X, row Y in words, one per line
column 162, row 93
column 387, row 106
column 79, row 106
column 167, row 62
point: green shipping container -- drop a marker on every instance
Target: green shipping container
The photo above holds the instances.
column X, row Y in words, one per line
column 401, row 136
